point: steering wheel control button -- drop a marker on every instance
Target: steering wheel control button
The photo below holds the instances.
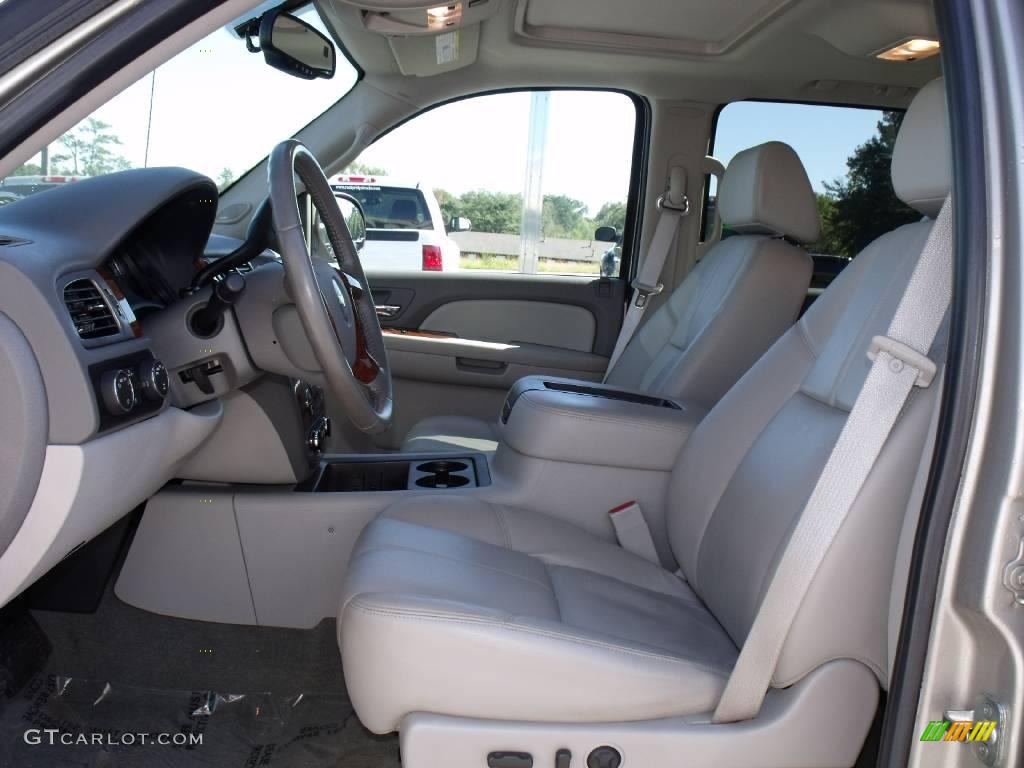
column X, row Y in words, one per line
column 510, row 760
column 118, row 390
column 154, row 380
column 604, row 757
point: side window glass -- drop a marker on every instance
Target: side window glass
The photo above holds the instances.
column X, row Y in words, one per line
column 846, row 151
column 524, row 182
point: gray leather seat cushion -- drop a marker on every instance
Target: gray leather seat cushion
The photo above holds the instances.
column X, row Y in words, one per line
column 520, row 595
column 452, row 433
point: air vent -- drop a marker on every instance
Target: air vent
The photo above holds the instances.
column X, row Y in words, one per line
column 89, row 311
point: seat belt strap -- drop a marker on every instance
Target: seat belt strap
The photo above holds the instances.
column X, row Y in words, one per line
column 672, row 206
column 900, row 364
column 632, row 531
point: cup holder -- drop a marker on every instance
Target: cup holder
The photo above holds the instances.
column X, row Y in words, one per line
column 442, row 473
column 442, row 481
column 438, row 467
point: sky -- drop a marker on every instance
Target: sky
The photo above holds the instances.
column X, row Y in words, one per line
column 217, row 106
column 823, row 137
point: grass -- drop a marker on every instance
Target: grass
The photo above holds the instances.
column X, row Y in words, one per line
column 496, row 263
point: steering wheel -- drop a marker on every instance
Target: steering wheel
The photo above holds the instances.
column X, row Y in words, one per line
column 334, row 303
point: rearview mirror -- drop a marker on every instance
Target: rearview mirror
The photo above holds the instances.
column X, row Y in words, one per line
column 606, row 234
column 352, row 212
column 293, row 46
column 460, row 224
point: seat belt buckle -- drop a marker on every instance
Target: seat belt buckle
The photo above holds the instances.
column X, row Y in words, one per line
column 644, row 292
column 903, row 354
column 632, row 532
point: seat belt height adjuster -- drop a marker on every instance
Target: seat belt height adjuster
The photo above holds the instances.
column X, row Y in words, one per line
column 644, row 292
column 904, row 355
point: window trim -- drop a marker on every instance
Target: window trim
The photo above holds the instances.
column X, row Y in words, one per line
column 632, row 230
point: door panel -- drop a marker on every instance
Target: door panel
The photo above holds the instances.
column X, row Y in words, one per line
column 457, row 342
column 417, row 295
column 537, row 322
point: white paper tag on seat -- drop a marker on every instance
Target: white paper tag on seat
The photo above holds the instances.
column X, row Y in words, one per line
column 632, row 532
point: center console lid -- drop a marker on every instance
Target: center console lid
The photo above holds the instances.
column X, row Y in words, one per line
column 580, row 422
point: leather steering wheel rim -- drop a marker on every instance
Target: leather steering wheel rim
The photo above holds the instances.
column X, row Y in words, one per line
column 335, row 305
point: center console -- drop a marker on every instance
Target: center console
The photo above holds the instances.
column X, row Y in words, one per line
column 248, row 552
column 584, row 423
column 397, row 472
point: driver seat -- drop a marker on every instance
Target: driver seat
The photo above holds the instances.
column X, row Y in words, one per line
column 510, row 621
column 730, row 308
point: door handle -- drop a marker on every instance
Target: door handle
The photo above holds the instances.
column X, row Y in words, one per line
column 475, row 365
column 388, row 311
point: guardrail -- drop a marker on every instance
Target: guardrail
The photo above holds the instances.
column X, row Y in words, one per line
column 554, row 249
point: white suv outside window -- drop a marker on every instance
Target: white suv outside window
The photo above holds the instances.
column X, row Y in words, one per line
column 405, row 229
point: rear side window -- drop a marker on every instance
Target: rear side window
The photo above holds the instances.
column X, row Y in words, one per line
column 390, row 207
column 847, row 152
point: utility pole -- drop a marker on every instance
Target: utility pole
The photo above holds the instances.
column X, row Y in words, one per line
column 533, row 185
column 149, row 120
column 44, row 161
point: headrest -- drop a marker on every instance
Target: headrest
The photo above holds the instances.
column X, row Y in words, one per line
column 765, row 190
column 922, row 158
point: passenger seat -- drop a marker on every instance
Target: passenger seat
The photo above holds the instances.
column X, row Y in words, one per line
column 738, row 300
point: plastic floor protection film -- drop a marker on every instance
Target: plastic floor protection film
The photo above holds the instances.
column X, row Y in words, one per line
column 63, row 721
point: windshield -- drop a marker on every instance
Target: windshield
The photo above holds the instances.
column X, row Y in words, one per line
column 215, row 108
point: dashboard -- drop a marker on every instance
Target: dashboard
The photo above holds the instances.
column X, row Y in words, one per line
column 97, row 274
column 108, row 390
column 90, row 429
column 83, row 269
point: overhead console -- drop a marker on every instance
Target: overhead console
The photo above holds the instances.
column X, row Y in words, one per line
column 427, row 38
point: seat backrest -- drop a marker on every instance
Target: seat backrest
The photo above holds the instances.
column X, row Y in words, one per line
column 749, row 467
column 742, row 295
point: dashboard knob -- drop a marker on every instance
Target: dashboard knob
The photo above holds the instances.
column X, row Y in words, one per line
column 118, row 390
column 154, row 379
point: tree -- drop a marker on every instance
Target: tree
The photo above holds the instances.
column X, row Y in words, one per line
column 827, row 242
column 448, row 203
column 225, row 179
column 498, row 212
column 611, row 215
column 864, row 205
column 90, row 150
column 28, row 169
column 357, row 168
column 563, row 216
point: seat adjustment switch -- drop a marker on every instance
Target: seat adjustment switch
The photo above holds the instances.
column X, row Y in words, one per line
column 604, row 757
column 510, row 760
